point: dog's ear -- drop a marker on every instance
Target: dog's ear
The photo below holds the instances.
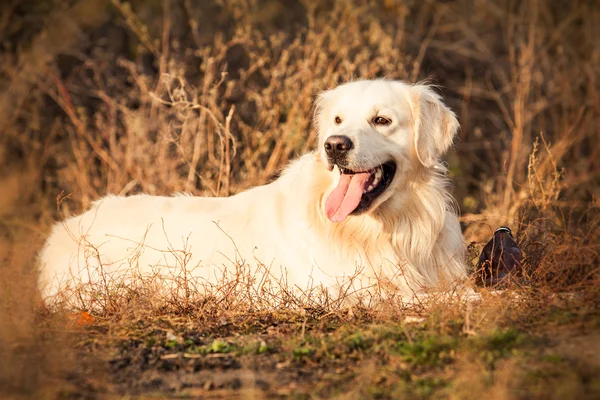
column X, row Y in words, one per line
column 435, row 125
column 318, row 107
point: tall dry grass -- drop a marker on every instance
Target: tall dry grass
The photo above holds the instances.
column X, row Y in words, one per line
column 159, row 97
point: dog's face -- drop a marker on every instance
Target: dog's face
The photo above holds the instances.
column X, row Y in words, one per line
column 374, row 135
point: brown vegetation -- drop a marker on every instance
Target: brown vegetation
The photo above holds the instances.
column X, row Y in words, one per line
column 104, row 97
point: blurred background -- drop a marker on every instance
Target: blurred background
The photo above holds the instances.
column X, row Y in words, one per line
column 213, row 97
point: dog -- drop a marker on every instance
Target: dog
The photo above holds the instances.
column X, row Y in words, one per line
column 369, row 211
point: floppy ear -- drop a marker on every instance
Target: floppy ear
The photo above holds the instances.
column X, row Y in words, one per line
column 435, row 125
column 319, row 122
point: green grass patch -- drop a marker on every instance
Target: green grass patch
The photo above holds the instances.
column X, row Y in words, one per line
column 497, row 345
column 429, row 351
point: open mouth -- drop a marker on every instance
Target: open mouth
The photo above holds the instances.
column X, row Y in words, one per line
column 356, row 191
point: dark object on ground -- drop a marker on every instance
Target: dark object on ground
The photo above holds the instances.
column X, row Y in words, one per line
column 500, row 259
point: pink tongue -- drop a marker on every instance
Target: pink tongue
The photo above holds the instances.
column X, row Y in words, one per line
column 346, row 196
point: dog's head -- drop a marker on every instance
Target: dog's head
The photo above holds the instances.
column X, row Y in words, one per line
column 374, row 134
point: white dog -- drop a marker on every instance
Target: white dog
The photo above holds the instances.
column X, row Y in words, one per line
column 369, row 208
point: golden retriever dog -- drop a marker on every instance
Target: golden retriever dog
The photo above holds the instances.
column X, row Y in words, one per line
column 368, row 212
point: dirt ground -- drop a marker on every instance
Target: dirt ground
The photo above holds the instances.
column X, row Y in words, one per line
column 304, row 356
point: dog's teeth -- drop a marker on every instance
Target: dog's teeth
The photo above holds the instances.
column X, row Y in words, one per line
column 378, row 174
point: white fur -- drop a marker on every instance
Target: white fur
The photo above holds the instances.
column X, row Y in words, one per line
column 410, row 239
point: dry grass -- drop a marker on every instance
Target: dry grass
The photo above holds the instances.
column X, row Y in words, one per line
column 159, row 97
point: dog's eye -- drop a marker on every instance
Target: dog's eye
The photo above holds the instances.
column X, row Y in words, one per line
column 337, row 120
column 381, row 121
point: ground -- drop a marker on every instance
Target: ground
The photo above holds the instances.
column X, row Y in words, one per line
column 440, row 353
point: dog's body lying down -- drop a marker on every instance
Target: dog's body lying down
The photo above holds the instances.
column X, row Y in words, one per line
column 368, row 211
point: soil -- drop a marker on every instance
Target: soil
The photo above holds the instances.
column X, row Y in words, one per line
column 322, row 358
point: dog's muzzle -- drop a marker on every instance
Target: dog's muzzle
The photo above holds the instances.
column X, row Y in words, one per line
column 337, row 148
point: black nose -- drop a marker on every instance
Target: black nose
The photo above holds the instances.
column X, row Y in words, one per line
column 337, row 146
